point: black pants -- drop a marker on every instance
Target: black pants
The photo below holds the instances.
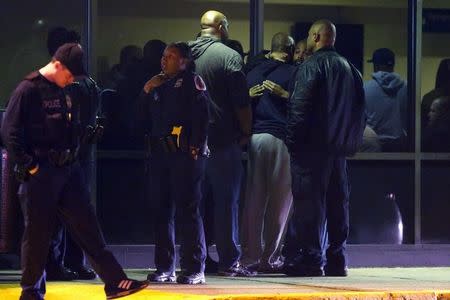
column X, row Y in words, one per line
column 60, row 193
column 64, row 251
column 320, row 191
column 175, row 182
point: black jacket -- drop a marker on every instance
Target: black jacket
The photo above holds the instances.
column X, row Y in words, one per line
column 39, row 116
column 326, row 109
column 180, row 101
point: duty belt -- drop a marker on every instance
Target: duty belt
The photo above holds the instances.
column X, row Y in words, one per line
column 58, row 158
column 169, row 144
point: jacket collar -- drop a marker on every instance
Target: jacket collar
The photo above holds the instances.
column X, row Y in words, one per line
column 328, row 48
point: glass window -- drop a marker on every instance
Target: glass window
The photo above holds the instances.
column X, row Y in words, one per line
column 23, row 42
column 382, row 184
column 129, row 38
column 435, row 122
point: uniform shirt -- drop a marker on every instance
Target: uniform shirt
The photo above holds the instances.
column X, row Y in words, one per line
column 269, row 110
column 38, row 116
column 180, row 101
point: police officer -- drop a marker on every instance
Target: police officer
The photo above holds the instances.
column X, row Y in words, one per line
column 176, row 105
column 41, row 133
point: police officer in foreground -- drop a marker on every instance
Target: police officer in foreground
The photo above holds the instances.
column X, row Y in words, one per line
column 176, row 104
column 42, row 134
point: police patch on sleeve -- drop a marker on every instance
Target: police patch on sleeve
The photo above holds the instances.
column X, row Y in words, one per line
column 199, row 83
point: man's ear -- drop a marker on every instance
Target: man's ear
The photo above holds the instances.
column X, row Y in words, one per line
column 57, row 64
column 316, row 37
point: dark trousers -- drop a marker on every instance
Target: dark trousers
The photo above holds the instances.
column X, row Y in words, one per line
column 60, row 193
column 64, row 251
column 223, row 180
column 320, row 191
column 175, row 182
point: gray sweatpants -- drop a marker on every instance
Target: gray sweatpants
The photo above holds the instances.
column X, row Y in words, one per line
column 268, row 199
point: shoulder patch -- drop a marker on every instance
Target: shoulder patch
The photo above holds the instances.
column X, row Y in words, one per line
column 199, row 83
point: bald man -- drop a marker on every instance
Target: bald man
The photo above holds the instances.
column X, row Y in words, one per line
column 230, row 128
column 325, row 124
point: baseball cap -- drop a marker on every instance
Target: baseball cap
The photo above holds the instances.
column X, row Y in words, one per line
column 383, row 56
column 71, row 56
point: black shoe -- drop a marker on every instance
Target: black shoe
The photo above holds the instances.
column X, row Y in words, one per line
column 298, row 270
column 336, row 272
column 274, row 268
column 85, row 273
column 61, row 274
column 191, row 278
column 237, row 271
column 124, row 288
column 162, row 277
column 211, row 266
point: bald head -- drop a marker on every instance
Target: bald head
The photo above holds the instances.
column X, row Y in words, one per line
column 321, row 34
column 282, row 42
column 439, row 111
column 214, row 23
column 282, row 47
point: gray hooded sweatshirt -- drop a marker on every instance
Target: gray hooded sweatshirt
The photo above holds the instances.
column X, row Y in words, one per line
column 221, row 69
column 386, row 102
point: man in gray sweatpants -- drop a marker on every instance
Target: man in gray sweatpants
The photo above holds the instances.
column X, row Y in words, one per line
column 268, row 192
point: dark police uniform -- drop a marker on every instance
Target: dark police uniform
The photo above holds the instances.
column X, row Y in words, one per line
column 63, row 249
column 42, row 125
column 175, row 177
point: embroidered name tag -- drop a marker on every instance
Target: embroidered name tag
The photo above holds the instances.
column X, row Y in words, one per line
column 53, row 103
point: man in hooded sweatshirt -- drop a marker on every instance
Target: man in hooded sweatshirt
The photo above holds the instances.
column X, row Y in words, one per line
column 229, row 129
column 386, row 101
column 268, row 190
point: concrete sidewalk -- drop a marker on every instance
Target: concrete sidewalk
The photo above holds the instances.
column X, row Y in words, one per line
column 362, row 283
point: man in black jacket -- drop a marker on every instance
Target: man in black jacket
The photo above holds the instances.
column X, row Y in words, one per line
column 325, row 123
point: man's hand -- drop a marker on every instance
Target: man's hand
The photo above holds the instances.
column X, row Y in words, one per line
column 256, row 91
column 154, row 82
column 23, row 173
column 275, row 89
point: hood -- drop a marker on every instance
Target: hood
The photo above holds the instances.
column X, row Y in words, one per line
column 199, row 46
column 391, row 83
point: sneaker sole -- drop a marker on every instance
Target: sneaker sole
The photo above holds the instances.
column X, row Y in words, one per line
column 202, row 281
column 168, row 279
column 126, row 293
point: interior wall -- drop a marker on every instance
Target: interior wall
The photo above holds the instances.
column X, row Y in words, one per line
column 383, row 27
column 22, row 40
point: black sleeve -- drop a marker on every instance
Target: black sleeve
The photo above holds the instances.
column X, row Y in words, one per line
column 13, row 127
column 200, row 116
column 301, row 103
column 143, row 113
